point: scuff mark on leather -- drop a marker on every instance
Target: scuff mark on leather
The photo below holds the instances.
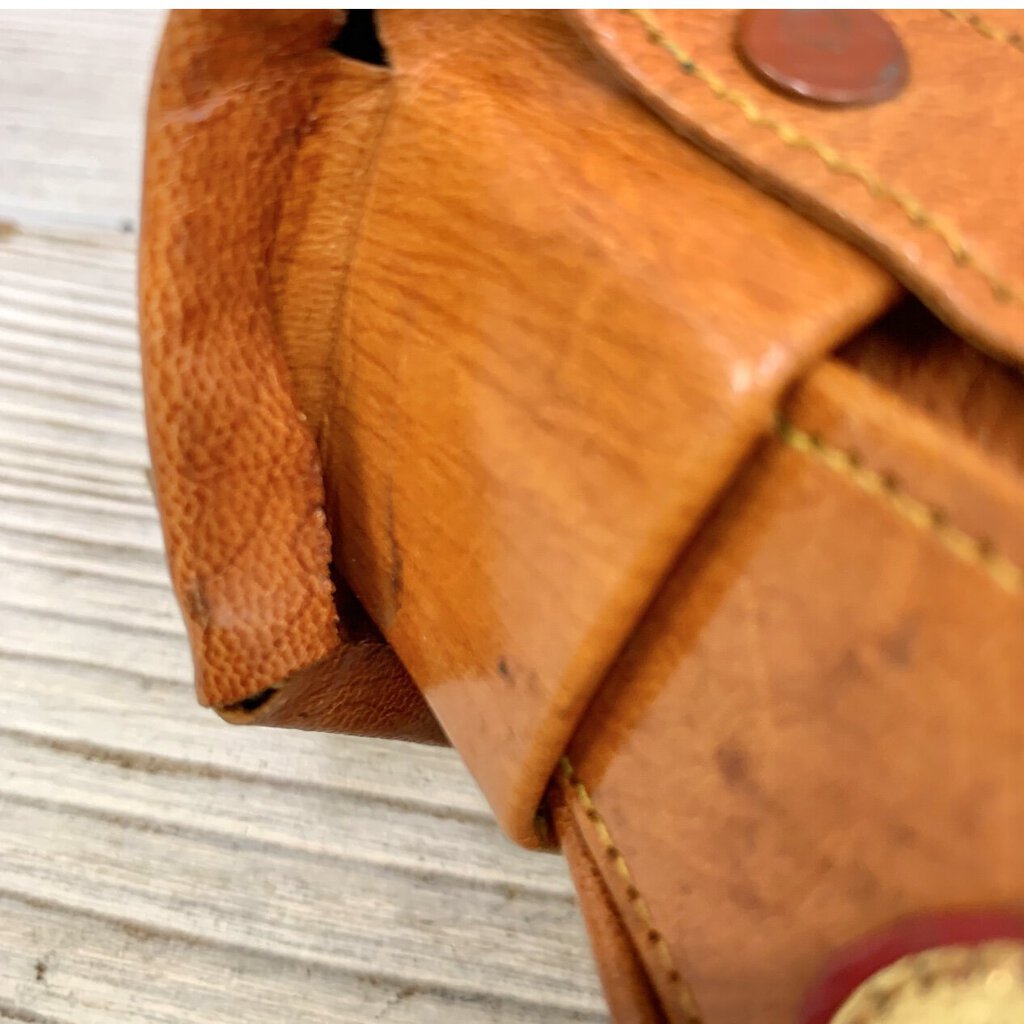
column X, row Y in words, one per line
column 206, row 106
column 196, row 604
column 738, row 770
column 733, row 764
column 505, row 672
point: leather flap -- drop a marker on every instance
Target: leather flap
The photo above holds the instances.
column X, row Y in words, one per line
column 929, row 182
column 235, row 469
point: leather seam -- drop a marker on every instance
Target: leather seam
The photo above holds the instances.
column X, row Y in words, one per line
column 918, row 215
column 654, row 1000
column 928, row 518
column 342, row 313
column 685, row 998
column 993, row 32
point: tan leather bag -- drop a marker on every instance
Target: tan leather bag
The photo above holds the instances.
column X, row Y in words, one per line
column 556, row 386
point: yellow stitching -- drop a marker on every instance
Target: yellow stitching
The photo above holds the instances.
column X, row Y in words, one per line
column 972, row 550
column 916, row 213
column 1008, row 37
column 687, row 1003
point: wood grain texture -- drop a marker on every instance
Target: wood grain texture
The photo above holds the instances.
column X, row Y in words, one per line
column 156, row 864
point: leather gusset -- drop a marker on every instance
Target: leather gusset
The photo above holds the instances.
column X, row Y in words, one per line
column 915, row 356
column 235, row 471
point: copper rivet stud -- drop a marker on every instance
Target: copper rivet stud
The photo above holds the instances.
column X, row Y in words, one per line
column 829, row 56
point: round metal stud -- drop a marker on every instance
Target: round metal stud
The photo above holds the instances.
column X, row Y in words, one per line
column 959, row 966
column 829, row 56
column 950, row 985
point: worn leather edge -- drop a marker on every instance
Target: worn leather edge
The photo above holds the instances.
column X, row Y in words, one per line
column 360, row 689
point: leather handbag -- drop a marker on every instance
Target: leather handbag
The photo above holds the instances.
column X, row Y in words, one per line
column 634, row 400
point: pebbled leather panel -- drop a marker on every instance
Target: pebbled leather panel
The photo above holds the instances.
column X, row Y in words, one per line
column 236, row 470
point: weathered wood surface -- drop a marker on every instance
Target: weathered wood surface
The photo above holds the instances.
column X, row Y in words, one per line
column 156, row 864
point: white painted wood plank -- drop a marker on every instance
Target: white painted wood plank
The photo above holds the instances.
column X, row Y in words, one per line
column 329, row 913
column 72, row 98
column 402, row 834
column 113, row 971
column 156, row 864
column 142, row 718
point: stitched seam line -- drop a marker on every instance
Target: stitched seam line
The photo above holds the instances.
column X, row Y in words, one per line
column 998, row 34
column 685, row 998
column 967, row 548
column 918, row 215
